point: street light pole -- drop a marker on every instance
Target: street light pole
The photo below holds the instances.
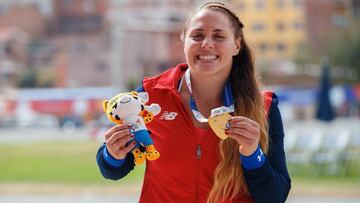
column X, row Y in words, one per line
column 116, row 35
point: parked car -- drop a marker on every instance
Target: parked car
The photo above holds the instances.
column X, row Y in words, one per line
column 71, row 123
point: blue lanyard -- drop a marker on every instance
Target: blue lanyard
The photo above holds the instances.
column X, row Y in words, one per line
column 227, row 97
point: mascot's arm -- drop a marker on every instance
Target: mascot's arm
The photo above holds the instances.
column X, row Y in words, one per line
column 150, row 112
column 148, row 116
column 110, row 172
column 153, row 108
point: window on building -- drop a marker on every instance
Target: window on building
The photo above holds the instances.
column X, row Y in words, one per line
column 258, row 27
column 101, row 66
column 280, row 26
column 88, row 6
column 301, row 46
column 297, row 3
column 74, row 24
column 3, row 8
column 78, row 47
column 260, row 4
column 157, row 2
column 339, row 17
column 66, row 4
column 280, row 3
column 92, row 23
column 298, row 25
column 263, row 46
column 340, row 21
column 280, row 46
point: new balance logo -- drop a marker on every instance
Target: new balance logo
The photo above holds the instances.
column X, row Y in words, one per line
column 169, row 116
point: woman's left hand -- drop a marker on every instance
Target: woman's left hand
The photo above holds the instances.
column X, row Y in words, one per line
column 246, row 132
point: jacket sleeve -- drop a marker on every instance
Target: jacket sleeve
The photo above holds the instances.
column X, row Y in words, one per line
column 271, row 182
column 108, row 171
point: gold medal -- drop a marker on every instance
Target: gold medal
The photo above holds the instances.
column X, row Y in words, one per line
column 218, row 123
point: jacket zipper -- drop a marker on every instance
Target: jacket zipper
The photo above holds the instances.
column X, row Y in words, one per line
column 198, row 152
column 197, row 182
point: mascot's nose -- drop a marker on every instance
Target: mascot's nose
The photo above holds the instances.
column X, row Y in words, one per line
column 125, row 100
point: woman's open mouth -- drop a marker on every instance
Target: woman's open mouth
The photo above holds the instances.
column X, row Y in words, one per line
column 207, row 58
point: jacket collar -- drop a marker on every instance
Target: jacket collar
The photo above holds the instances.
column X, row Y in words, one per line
column 170, row 78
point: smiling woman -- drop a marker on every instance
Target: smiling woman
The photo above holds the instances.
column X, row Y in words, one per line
column 217, row 147
column 209, row 44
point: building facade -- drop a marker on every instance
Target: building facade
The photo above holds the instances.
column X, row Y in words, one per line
column 81, row 16
column 327, row 17
column 273, row 28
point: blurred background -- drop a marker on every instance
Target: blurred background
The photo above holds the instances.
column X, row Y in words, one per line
column 60, row 58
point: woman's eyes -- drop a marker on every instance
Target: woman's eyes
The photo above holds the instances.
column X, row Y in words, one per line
column 219, row 36
column 198, row 37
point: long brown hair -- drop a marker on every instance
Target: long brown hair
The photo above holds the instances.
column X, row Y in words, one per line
column 229, row 180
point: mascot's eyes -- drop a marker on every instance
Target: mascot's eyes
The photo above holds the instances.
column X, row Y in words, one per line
column 142, row 107
column 115, row 106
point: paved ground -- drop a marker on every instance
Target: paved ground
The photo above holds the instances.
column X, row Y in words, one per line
column 68, row 193
column 117, row 193
column 321, row 200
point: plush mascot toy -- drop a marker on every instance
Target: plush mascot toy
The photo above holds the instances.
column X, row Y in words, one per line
column 130, row 108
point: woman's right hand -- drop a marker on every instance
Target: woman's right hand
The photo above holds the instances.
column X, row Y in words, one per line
column 116, row 139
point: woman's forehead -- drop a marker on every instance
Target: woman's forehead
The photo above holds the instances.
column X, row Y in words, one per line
column 209, row 19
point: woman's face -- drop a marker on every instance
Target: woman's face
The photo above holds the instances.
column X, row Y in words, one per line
column 210, row 44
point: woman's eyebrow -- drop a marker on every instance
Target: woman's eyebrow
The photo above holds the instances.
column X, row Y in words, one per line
column 201, row 29
column 218, row 30
column 197, row 29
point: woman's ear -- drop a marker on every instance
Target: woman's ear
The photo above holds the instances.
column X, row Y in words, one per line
column 237, row 46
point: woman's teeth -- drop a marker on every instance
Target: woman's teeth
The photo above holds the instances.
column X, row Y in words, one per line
column 207, row 57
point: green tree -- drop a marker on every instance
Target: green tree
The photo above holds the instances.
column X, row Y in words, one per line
column 344, row 51
column 27, row 78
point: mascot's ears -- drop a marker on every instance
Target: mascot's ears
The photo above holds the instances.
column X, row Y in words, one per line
column 144, row 96
column 105, row 105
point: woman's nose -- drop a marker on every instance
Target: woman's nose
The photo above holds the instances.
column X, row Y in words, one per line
column 207, row 43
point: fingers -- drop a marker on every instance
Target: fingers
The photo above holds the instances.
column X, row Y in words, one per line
column 120, row 142
column 244, row 130
column 243, row 126
column 115, row 129
column 123, row 135
column 243, row 119
column 116, row 139
column 120, row 152
column 240, row 132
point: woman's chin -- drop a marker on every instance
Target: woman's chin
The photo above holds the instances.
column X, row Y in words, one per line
column 206, row 67
column 209, row 69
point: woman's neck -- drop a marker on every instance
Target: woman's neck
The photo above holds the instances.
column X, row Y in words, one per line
column 207, row 92
column 208, row 89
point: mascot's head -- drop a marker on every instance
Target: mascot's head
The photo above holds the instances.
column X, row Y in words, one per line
column 125, row 104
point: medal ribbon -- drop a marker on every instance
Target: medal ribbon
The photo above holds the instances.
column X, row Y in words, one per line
column 228, row 101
